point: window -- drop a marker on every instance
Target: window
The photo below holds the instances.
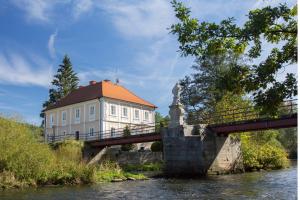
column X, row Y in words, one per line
column 92, row 110
column 136, row 114
column 112, row 132
column 92, row 113
column 64, row 118
column 91, row 133
column 146, row 116
column 125, row 112
column 113, row 110
column 51, row 120
column 77, row 115
column 64, row 133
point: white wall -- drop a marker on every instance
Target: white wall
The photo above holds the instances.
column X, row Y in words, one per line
column 102, row 121
column 119, row 120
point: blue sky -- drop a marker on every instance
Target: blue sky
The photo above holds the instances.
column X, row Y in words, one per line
column 105, row 39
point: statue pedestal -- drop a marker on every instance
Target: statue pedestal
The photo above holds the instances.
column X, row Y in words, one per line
column 176, row 115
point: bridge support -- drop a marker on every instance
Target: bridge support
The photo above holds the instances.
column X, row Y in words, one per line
column 186, row 154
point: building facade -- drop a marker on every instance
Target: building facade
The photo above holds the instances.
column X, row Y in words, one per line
column 99, row 110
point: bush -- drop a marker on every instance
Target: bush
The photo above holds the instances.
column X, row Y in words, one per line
column 25, row 161
column 127, row 147
column 143, row 167
column 21, row 154
column 262, row 155
column 157, row 146
column 69, row 150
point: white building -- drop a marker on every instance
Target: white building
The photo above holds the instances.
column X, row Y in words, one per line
column 99, row 110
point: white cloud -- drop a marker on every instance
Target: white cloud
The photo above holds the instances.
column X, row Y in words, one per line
column 51, row 42
column 40, row 10
column 149, row 18
column 16, row 70
column 81, row 6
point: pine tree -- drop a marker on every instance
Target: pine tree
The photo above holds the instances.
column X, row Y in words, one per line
column 64, row 82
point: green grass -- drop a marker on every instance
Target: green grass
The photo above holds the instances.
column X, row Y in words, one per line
column 25, row 161
column 109, row 171
column 144, row 167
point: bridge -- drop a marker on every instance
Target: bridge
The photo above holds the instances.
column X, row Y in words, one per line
column 223, row 123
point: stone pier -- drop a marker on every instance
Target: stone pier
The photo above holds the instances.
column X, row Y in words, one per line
column 186, row 154
column 196, row 150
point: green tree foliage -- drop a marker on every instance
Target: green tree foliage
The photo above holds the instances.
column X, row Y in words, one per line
column 260, row 149
column 64, row 82
column 157, row 146
column 127, row 147
column 274, row 25
column 263, row 154
column 26, row 161
column 161, row 121
column 288, row 139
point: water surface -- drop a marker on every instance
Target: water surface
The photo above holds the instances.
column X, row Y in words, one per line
column 280, row 184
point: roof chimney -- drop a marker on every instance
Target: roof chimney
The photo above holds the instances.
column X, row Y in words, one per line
column 93, row 82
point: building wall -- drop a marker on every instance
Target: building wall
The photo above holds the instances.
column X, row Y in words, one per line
column 118, row 121
column 71, row 124
column 103, row 120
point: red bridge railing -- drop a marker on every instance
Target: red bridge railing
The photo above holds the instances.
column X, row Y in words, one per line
column 101, row 135
column 234, row 116
column 288, row 108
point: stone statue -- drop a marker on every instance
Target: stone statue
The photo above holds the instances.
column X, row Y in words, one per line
column 176, row 108
column 176, row 94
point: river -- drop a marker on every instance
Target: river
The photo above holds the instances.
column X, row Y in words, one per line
column 279, row 184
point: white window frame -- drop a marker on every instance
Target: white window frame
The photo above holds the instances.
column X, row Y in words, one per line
column 93, row 115
column 63, row 121
column 146, row 113
column 91, row 131
column 112, row 132
column 115, row 109
column 123, row 109
column 77, row 119
column 51, row 121
column 136, row 111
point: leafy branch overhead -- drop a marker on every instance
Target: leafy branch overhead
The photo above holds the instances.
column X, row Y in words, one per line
column 276, row 26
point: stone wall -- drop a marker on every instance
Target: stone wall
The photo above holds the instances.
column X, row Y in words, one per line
column 132, row 157
column 186, row 154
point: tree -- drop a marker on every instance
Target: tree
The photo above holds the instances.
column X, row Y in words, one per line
column 260, row 149
column 203, row 89
column 160, row 121
column 127, row 147
column 64, row 82
column 274, row 25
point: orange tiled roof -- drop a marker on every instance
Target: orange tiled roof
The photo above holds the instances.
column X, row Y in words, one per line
column 97, row 90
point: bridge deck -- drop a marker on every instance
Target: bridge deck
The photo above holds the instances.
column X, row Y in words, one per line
column 140, row 138
column 255, row 125
column 239, row 121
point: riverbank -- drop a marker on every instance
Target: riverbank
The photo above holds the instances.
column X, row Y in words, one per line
column 276, row 184
column 25, row 161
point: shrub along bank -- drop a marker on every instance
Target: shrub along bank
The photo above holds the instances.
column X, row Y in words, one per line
column 24, row 161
